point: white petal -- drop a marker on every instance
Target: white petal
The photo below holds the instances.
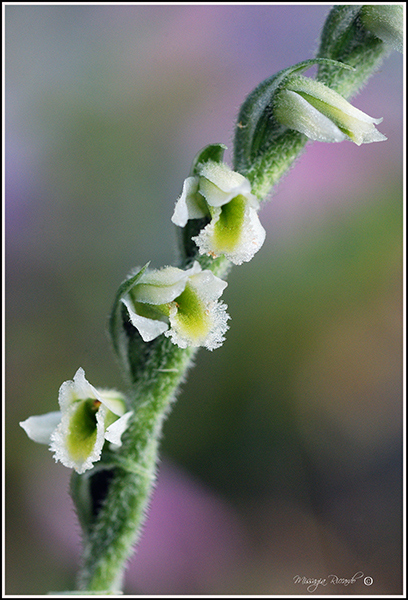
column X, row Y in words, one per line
column 187, row 206
column 114, row 401
column 333, row 100
column 196, row 268
column 219, row 184
column 160, row 287
column 180, row 214
column 39, row 428
column 207, row 285
column 224, row 178
column 322, row 114
column 78, row 389
column 114, row 432
column 296, row 113
column 252, row 239
column 149, row 329
column 365, row 133
column 337, row 101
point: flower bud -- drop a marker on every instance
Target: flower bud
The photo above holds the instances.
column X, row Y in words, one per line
column 181, row 304
column 385, row 21
column 88, row 417
column 319, row 112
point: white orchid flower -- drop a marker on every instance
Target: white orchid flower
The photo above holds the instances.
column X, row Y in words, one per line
column 88, row 417
column 225, row 197
column 319, row 112
column 181, row 304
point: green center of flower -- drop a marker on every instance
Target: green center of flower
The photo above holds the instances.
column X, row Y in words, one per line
column 227, row 230
column 82, row 429
column 192, row 319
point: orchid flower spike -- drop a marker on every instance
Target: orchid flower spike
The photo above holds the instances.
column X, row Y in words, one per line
column 181, row 304
column 87, row 418
column 224, row 197
column 319, row 112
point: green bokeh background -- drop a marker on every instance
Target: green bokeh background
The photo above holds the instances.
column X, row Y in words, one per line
column 295, row 423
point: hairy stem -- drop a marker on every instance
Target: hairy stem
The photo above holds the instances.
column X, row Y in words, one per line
column 118, row 522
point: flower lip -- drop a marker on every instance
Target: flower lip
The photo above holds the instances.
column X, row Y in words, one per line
column 74, row 443
column 198, row 319
column 235, row 232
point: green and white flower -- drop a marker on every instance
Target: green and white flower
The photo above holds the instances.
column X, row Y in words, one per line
column 88, row 417
column 224, row 196
column 181, row 304
column 319, row 112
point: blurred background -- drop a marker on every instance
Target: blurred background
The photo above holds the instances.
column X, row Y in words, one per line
column 282, row 455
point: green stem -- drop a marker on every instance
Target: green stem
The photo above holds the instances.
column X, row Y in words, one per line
column 110, row 537
column 344, row 38
column 268, row 169
column 118, row 523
